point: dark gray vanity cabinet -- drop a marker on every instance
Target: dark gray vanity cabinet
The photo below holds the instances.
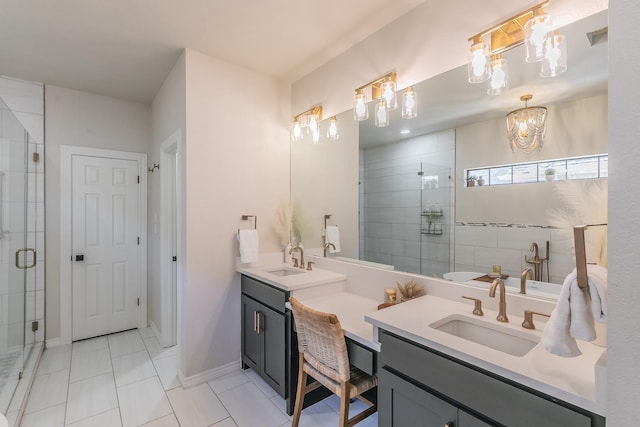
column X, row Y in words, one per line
column 265, row 326
column 418, row 386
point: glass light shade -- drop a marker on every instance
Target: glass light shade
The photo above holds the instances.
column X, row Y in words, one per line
column 526, row 128
column 536, row 32
column 360, row 109
column 555, row 58
column 382, row 114
column 296, row 130
column 332, row 131
column 388, row 90
column 313, row 125
column 409, row 103
column 478, row 62
column 315, row 136
column 499, row 76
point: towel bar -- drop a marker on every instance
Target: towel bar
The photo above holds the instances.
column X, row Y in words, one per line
column 581, row 254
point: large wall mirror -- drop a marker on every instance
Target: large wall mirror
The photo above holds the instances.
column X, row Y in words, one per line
column 400, row 197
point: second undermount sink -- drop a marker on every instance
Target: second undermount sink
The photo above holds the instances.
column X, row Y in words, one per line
column 497, row 337
column 285, row 271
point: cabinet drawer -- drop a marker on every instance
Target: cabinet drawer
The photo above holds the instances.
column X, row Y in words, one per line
column 483, row 393
column 361, row 357
column 266, row 294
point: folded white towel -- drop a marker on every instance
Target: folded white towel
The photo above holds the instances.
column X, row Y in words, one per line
column 333, row 236
column 598, row 292
column 555, row 336
column 248, row 243
column 573, row 318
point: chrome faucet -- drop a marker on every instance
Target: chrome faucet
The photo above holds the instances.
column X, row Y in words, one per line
column 536, row 261
column 502, row 312
column 326, row 246
column 298, row 247
column 526, row 273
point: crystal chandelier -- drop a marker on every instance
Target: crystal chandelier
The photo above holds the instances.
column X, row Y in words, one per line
column 526, row 127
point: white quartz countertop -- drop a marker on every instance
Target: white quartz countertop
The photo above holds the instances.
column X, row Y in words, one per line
column 568, row 379
column 350, row 309
column 297, row 279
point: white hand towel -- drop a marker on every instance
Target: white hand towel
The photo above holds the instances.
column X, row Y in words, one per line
column 333, row 236
column 598, row 291
column 248, row 243
column 555, row 336
column 573, row 318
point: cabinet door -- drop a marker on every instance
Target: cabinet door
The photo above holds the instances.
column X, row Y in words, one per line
column 251, row 345
column 402, row 404
column 272, row 327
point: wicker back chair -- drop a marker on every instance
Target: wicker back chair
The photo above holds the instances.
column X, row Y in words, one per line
column 323, row 356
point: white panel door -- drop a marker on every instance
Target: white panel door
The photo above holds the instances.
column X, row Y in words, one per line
column 105, row 243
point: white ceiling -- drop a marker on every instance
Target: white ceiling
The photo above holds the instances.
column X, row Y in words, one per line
column 126, row 48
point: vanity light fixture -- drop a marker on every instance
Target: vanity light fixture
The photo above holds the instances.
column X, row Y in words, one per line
column 555, row 58
column 526, row 127
column 409, row 103
column 382, row 89
column 309, row 119
column 478, row 63
column 536, row 32
column 382, row 114
column 384, row 92
column 332, row 131
column 533, row 28
column 360, row 108
column 499, row 75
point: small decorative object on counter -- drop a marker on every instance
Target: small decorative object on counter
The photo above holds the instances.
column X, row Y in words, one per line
column 390, row 295
column 550, row 174
column 410, row 290
column 471, row 180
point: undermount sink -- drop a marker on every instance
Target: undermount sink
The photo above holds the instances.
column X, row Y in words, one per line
column 497, row 337
column 285, row 272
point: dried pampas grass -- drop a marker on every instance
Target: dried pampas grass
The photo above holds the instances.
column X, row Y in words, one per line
column 282, row 223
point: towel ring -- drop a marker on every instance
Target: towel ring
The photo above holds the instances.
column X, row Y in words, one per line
column 255, row 220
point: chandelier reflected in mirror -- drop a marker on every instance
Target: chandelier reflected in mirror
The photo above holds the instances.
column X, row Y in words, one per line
column 526, row 127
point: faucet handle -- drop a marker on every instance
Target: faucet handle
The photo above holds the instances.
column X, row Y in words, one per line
column 527, row 323
column 309, row 264
column 295, row 261
column 477, row 305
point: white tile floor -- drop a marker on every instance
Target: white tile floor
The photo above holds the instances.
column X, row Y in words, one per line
column 127, row 379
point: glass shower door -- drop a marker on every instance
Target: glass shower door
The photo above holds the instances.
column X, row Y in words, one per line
column 16, row 258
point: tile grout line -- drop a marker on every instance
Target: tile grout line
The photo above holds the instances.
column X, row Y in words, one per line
column 113, row 373
column 166, row 395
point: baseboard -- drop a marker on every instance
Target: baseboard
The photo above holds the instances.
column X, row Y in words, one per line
column 209, row 375
column 155, row 329
column 53, row 342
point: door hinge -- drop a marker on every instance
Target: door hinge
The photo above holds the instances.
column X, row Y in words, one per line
column 34, row 326
column 138, row 240
column 138, row 302
column 138, row 179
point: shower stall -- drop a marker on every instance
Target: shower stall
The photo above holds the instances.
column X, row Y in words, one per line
column 21, row 234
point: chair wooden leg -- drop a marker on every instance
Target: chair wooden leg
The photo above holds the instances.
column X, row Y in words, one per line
column 344, row 405
column 300, row 392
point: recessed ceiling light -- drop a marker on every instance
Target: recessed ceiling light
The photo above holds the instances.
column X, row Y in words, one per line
column 405, row 131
